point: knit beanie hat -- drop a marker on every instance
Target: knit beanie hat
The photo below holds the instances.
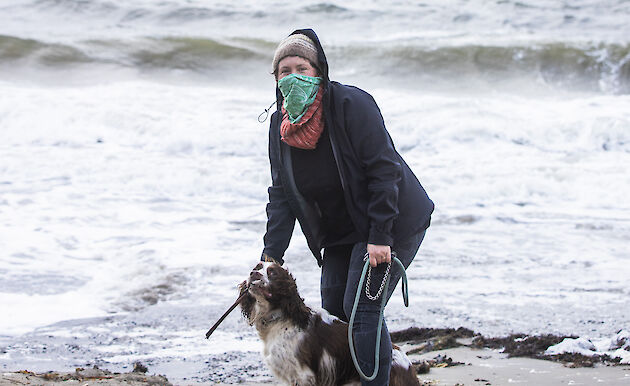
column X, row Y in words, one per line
column 295, row 45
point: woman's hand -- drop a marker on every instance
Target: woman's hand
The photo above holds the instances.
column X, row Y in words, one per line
column 379, row 254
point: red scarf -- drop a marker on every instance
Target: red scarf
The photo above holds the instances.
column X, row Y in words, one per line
column 305, row 133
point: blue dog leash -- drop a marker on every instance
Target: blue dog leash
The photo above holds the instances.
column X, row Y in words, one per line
column 384, row 284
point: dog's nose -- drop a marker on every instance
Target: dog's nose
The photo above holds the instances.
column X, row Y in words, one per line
column 255, row 275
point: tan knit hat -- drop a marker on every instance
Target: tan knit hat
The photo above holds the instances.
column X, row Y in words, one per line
column 295, row 45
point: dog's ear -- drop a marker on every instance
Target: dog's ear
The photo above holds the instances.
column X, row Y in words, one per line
column 292, row 304
column 247, row 304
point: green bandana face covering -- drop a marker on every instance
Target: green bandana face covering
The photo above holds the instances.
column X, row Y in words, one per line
column 299, row 92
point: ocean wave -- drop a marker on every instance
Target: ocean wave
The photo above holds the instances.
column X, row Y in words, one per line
column 13, row 49
column 601, row 66
column 174, row 11
column 325, row 8
column 186, row 53
column 196, row 13
column 136, row 10
column 75, row 6
column 595, row 66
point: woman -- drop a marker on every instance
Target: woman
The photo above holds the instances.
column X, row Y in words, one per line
column 334, row 169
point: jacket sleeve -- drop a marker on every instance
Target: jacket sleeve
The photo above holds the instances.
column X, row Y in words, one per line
column 381, row 164
column 280, row 217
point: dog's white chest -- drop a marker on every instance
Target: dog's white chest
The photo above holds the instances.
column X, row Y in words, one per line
column 281, row 355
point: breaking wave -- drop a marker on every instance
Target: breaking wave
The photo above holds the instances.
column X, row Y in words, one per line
column 602, row 67
column 167, row 53
column 596, row 67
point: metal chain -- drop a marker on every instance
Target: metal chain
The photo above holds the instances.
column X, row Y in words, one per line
column 369, row 275
column 353, row 314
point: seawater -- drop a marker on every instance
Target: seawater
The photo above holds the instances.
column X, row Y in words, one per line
column 133, row 171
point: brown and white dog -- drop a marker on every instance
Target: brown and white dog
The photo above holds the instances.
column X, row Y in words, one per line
column 303, row 347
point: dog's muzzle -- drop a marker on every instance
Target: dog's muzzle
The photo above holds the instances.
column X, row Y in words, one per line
column 254, row 277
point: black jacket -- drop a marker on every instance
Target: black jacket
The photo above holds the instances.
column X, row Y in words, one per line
column 385, row 201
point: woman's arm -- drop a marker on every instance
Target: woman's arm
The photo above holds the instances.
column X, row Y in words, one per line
column 380, row 162
column 280, row 217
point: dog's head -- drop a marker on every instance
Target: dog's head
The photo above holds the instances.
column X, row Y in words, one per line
column 272, row 288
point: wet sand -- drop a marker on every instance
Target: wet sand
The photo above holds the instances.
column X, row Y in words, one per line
column 84, row 377
column 491, row 367
column 447, row 357
column 481, row 367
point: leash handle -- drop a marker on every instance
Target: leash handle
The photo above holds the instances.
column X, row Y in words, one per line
column 369, row 276
column 380, row 320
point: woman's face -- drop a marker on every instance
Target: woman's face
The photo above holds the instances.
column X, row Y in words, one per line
column 295, row 65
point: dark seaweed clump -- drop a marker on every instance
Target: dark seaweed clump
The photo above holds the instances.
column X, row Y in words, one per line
column 515, row 345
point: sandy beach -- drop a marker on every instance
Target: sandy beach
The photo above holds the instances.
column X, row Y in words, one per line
column 461, row 362
column 481, row 367
column 490, row 367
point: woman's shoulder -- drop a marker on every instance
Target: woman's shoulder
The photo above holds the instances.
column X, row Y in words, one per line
column 351, row 96
column 345, row 90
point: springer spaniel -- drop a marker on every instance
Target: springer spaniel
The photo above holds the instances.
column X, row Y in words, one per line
column 303, row 347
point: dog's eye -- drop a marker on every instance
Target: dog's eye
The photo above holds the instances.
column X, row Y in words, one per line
column 271, row 273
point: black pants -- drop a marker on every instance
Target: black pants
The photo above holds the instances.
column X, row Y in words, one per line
column 341, row 273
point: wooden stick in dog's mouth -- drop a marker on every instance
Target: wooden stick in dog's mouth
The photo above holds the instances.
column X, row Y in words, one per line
column 232, row 307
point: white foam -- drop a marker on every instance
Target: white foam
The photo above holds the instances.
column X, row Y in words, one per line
column 106, row 197
column 578, row 345
column 615, row 347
